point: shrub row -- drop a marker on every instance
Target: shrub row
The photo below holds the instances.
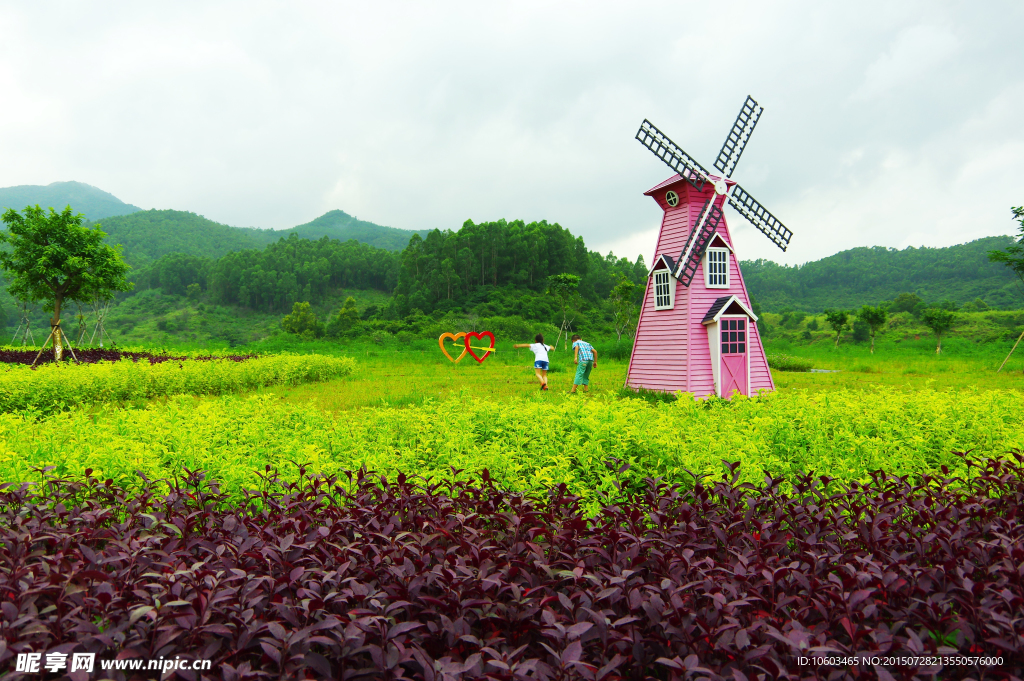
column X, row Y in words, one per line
column 527, row 444
column 465, row 581
column 56, row 387
column 93, row 355
column 781, row 362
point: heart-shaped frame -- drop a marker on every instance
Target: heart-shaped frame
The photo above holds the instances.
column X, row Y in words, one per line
column 479, row 336
column 455, row 339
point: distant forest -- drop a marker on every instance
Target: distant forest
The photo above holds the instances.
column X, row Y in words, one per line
column 861, row 276
column 446, row 271
column 272, row 278
column 483, row 264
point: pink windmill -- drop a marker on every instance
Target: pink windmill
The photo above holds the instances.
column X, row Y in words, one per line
column 697, row 332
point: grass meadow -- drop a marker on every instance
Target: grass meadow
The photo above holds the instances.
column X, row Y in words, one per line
column 394, row 378
column 412, row 411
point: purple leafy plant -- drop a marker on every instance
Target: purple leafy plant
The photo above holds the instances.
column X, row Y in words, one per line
column 378, row 579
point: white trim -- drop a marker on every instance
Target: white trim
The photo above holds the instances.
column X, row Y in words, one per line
column 716, row 355
column 715, row 341
column 670, row 281
column 659, row 264
column 717, row 235
column 727, row 252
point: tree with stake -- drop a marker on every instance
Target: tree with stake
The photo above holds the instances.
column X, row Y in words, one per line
column 54, row 259
column 565, row 289
column 1012, row 257
column 838, row 320
column 939, row 321
column 623, row 300
column 875, row 318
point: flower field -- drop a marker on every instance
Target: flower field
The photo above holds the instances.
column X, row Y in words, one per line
column 565, row 560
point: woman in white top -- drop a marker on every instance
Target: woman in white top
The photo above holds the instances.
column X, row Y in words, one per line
column 540, row 358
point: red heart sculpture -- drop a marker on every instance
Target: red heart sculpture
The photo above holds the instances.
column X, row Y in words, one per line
column 481, row 335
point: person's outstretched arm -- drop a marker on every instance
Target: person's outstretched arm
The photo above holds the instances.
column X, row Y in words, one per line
column 520, row 345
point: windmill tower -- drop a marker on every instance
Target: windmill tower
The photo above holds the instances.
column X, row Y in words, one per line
column 697, row 332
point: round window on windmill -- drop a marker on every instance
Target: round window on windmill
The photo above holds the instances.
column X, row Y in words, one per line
column 672, row 199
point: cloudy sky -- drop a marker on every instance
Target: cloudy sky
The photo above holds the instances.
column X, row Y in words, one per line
column 886, row 123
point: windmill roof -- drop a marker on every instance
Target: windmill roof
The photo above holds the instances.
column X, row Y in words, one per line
column 677, row 178
column 722, row 305
column 669, row 261
column 715, row 308
column 672, row 180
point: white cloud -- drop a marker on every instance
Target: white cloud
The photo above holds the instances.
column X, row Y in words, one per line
column 878, row 117
column 915, row 51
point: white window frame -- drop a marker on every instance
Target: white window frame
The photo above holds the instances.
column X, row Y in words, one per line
column 664, row 278
column 716, row 279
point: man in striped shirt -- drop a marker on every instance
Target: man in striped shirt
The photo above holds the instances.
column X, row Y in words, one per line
column 586, row 359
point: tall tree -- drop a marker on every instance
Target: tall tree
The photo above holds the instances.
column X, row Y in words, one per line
column 838, row 320
column 875, row 318
column 564, row 288
column 1013, row 257
column 54, row 259
column 623, row 301
column 939, row 321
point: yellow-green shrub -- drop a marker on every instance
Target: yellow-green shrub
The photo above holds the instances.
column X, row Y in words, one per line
column 52, row 387
column 528, row 444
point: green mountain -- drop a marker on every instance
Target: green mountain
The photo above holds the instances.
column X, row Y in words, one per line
column 95, row 203
column 149, row 235
column 869, row 276
column 337, row 224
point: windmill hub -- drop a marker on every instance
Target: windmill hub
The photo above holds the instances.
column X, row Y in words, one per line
column 721, row 187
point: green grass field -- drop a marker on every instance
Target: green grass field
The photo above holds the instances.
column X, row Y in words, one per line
column 413, row 411
column 406, row 408
column 396, row 378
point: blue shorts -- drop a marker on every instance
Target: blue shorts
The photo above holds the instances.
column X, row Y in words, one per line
column 540, row 365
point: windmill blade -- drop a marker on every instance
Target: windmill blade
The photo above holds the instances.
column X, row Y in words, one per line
column 731, row 151
column 674, row 157
column 700, row 237
column 759, row 216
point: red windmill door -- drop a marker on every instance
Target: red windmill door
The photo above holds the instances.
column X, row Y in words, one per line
column 734, row 355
